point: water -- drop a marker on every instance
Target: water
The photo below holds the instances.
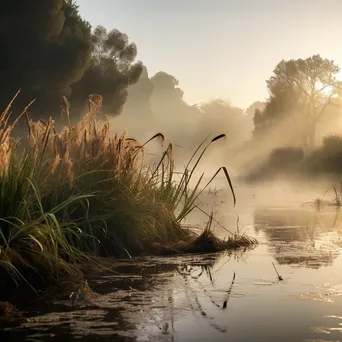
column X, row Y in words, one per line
column 181, row 299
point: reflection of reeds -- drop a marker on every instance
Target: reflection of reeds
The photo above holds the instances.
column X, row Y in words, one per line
column 190, row 294
column 320, row 202
column 279, row 276
column 229, row 292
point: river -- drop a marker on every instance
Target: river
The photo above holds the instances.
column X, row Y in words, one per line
column 196, row 298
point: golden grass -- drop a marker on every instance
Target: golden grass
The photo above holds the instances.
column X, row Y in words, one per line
column 81, row 191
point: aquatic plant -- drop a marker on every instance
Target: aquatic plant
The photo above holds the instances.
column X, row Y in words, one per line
column 319, row 202
column 80, row 192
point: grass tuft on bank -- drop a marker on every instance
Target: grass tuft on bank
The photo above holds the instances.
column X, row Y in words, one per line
column 81, row 193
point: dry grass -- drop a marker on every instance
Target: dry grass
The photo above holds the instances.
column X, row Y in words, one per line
column 79, row 192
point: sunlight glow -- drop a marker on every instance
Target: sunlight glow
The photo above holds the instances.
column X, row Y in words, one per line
column 339, row 75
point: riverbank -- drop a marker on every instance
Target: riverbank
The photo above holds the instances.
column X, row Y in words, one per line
column 71, row 196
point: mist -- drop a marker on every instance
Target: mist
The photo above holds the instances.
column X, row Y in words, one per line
column 292, row 134
column 280, row 139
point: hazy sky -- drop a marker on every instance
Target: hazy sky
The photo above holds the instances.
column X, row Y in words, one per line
column 222, row 48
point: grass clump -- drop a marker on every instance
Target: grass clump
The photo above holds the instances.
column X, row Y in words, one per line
column 320, row 202
column 324, row 161
column 81, row 192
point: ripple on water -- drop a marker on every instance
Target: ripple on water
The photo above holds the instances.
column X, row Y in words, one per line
column 182, row 299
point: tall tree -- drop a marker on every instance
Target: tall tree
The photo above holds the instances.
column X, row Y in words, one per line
column 112, row 70
column 258, row 105
column 166, row 85
column 173, row 116
column 302, row 90
column 137, row 115
column 45, row 48
column 220, row 116
column 139, row 96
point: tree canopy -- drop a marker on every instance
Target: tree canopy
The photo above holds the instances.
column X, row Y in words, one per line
column 166, row 85
column 219, row 116
column 112, row 70
column 300, row 90
column 46, row 48
column 138, row 104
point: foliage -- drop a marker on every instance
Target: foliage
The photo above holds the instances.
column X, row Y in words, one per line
column 141, row 92
column 258, row 105
column 221, row 116
column 326, row 160
column 81, row 192
column 112, row 70
column 166, row 85
column 283, row 162
column 284, row 158
column 328, row 157
column 170, row 109
column 46, row 47
column 300, row 92
column 138, row 105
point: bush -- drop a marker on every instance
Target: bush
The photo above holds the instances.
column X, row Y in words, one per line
column 327, row 158
column 284, row 158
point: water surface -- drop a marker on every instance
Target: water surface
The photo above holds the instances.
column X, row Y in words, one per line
column 182, row 299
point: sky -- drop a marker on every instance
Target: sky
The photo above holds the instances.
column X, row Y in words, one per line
column 222, row 48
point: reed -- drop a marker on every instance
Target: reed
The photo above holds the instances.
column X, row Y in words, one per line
column 82, row 192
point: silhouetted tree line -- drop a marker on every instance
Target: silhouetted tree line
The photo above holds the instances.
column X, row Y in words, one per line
column 48, row 50
column 51, row 53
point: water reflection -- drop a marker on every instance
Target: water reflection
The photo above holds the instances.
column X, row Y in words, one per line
column 138, row 300
column 224, row 297
column 304, row 238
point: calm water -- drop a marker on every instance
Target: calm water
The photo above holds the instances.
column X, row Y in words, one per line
column 181, row 299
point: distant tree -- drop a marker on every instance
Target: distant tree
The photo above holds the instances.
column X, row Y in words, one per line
column 166, row 86
column 45, row 48
column 258, row 105
column 220, row 116
column 301, row 90
column 141, row 91
column 137, row 108
column 173, row 116
column 113, row 69
column 167, row 98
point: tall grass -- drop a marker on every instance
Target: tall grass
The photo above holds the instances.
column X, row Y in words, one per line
column 79, row 192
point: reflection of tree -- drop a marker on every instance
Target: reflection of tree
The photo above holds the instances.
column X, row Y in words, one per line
column 296, row 237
